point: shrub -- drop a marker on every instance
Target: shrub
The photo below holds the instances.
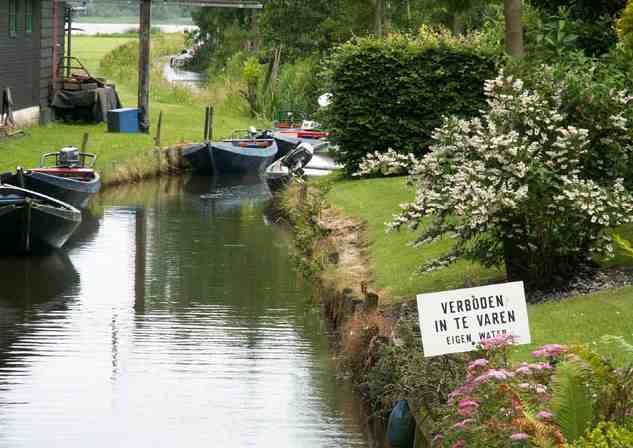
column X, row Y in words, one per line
column 392, row 93
column 606, row 435
column 549, row 402
column 521, row 185
column 624, row 25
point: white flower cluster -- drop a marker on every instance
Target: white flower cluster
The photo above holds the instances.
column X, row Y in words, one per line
column 388, row 163
column 513, row 182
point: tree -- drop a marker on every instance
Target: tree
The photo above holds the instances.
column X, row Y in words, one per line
column 514, row 27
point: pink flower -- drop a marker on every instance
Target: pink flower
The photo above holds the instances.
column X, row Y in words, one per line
column 526, row 369
column 524, row 386
column 519, row 436
column 540, row 389
column 462, row 424
column 497, row 374
column 481, row 362
column 549, row 350
column 459, row 444
column 497, row 341
column 467, row 407
column 523, row 369
column 544, row 415
column 542, row 366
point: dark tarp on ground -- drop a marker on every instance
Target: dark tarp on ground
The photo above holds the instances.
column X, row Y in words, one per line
column 86, row 105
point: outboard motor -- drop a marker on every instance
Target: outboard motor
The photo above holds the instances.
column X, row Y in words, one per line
column 298, row 158
column 68, row 157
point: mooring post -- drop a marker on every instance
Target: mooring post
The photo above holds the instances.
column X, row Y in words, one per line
column 210, row 132
column 158, row 129
column 144, row 64
column 84, row 142
column 206, row 123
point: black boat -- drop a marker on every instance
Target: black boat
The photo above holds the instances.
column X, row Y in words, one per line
column 232, row 156
column 71, row 179
column 30, row 221
column 288, row 139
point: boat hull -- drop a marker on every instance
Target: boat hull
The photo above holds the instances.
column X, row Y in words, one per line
column 74, row 192
column 199, row 157
column 226, row 158
column 32, row 222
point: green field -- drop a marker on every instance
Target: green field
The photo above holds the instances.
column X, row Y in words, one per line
column 183, row 118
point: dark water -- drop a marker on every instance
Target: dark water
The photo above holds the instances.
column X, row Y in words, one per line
column 173, row 319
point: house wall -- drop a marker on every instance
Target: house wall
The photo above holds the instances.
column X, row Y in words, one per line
column 27, row 60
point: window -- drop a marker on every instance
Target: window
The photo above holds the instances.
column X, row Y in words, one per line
column 13, row 19
column 28, row 16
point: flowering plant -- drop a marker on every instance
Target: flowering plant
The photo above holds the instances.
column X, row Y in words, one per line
column 513, row 186
column 390, row 163
column 501, row 405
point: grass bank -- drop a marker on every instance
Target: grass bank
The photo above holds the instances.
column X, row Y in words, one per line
column 339, row 229
column 393, row 264
column 183, row 113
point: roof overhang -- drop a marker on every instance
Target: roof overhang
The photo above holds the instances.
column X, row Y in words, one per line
column 248, row 4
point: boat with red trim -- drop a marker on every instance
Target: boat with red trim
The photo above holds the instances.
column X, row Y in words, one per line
column 71, row 179
column 245, row 152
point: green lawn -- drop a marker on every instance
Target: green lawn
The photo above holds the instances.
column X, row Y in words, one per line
column 581, row 319
column 183, row 119
column 393, row 261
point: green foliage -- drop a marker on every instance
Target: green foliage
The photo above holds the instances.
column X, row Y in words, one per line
column 594, row 97
column 605, row 435
column 571, row 401
column 625, row 25
column 296, row 88
column 401, row 371
column 393, row 93
column 591, row 20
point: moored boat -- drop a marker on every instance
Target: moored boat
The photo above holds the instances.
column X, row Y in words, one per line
column 288, row 139
column 30, row 221
column 234, row 156
column 71, row 178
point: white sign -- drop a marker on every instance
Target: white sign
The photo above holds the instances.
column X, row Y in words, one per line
column 456, row 321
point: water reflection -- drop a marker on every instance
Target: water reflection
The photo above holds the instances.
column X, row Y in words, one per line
column 184, row 324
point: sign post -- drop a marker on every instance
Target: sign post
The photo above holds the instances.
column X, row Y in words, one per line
column 457, row 321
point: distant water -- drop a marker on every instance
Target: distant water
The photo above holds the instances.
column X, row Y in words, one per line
column 117, row 28
column 174, row 318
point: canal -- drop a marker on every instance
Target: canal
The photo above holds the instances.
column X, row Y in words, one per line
column 174, row 318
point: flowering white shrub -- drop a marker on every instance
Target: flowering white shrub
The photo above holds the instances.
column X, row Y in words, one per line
column 388, row 163
column 514, row 186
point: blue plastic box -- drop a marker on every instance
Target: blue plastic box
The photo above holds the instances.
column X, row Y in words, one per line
column 123, row 120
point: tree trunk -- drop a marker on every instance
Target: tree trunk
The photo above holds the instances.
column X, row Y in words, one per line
column 379, row 12
column 514, row 27
column 458, row 24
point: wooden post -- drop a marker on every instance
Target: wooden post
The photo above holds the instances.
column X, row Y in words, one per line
column 210, row 129
column 84, row 142
column 69, row 44
column 158, row 128
column 206, row 123
column 144, row 64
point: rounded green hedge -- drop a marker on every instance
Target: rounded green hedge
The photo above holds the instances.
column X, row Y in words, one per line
column 392, row 93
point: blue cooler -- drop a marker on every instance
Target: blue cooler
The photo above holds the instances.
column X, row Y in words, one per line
column 123, row 120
